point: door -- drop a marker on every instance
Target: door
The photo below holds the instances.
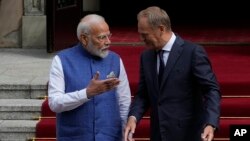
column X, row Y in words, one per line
column 62, row 20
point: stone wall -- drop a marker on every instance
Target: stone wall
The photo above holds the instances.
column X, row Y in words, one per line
column 23, row 24
column 10, row 17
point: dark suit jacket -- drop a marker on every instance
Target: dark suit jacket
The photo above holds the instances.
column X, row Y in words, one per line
column 188, row 98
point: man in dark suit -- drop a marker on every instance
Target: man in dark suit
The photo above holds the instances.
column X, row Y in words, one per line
column 184, row 100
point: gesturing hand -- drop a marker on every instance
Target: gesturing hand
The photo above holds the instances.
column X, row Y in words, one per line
column 97, row 86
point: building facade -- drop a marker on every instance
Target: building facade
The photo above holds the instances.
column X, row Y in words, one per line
column 24, row 22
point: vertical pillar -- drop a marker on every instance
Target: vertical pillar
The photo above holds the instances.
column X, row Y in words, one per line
column 34, row 24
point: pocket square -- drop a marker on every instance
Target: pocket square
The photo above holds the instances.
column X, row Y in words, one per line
column 111, row 75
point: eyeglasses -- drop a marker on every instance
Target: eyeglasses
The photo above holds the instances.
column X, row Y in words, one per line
column 104, row 37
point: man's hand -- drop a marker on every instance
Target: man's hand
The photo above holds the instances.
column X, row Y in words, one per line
column 97, row 86
column 208, row 133
column 130, row 129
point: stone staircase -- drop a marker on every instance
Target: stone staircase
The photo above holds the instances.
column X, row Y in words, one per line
column 20, row 109
column 23, row 78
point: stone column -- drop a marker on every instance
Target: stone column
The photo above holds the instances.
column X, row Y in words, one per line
column 34, row 24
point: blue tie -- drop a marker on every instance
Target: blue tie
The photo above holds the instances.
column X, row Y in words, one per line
column 161, row 67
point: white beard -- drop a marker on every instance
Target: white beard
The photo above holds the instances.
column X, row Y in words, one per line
column 97, row 52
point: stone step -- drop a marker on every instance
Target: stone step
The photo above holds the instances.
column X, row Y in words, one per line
column 17, row 130
column 20, row 109
column 24, row 73
column 22, row 91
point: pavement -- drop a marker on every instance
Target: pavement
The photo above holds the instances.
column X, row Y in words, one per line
column 24, row 66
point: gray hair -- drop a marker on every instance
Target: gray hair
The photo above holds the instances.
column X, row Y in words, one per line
column 86, row 22
column 156, row 16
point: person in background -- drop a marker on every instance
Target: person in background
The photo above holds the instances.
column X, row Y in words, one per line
column 176, row 82
column 88, row 86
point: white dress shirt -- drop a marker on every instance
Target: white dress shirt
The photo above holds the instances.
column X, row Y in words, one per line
column 59, row 101
column 167, row 48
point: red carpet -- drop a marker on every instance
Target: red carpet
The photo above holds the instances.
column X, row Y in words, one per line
column 232, row 67
column 196, row 33
column 229, row 63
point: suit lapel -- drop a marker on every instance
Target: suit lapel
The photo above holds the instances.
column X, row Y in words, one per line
column 172, row 59
column 152, row 68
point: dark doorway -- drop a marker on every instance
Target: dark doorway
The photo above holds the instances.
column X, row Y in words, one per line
column 62, row 19
column 64, row 15
column 180, row 12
